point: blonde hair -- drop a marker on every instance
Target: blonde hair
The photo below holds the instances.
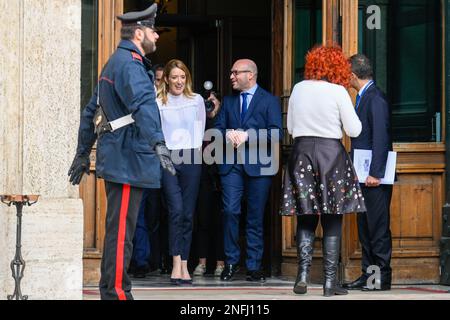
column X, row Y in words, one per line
column 163, row 89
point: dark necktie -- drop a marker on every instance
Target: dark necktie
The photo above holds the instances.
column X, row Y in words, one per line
column 244, row 106
column 358, row 99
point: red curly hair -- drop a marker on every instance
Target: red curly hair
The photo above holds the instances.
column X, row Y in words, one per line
column 328, row 63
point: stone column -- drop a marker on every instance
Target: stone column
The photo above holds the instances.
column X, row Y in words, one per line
column 40, row 57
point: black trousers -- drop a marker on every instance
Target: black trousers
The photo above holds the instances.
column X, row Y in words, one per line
column 166, row 259
column 374, row 230
column 209, row 217
column 123, row 203
column 153, row 217
column 180, row 193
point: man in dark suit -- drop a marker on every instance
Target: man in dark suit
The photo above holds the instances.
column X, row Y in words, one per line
column 374, row 225
column 250, row 122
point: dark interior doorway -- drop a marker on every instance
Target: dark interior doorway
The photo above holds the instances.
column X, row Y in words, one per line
column 209, row 35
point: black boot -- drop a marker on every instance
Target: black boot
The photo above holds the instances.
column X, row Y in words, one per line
column 331, row 246
column 305, row 247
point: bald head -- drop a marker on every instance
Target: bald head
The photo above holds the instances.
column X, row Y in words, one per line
column 250, row 64
column 244, row 74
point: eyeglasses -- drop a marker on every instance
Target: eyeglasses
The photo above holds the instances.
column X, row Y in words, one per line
column 238, row 72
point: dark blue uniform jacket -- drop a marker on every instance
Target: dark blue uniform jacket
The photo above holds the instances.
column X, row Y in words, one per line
column 127, row 155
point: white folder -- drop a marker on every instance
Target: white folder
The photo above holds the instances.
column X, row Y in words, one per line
column 362, row 161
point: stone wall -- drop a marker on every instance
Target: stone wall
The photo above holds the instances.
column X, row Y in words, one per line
column 40, row 106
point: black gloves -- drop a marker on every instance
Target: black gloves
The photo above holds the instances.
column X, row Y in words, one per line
column 79, row 166
column 82, row 163
column 164, row 157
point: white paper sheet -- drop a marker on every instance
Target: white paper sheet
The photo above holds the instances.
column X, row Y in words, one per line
column 363, row 159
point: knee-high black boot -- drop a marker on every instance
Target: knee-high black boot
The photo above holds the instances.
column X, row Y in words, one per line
column 305, row 247
column 331, row 246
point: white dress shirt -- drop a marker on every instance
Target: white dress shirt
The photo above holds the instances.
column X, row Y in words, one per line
column 183, row 121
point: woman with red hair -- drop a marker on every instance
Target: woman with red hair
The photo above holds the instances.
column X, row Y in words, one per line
column 320, row 181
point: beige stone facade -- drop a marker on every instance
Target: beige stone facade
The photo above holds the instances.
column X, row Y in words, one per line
column 40, row 50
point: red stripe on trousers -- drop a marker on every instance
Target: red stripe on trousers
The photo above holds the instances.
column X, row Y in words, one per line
column 121, row 241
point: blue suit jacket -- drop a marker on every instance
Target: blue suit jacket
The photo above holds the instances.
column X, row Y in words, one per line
column 375, row 116
column 264, row 112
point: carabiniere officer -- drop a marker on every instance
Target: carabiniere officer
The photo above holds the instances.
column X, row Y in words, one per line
column 123, row 117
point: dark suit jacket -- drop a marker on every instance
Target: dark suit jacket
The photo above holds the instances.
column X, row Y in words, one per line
column 375, row 115
column 264, row 112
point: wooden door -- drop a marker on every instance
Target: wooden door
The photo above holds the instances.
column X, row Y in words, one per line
column 92, row 190
column 306, row 24
column 416, row 207
column 416, row 210
column 199, row 37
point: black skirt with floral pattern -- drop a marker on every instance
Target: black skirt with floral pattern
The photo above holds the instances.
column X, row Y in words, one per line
column 320, row 179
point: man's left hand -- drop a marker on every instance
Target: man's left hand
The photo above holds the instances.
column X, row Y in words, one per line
column 372, row 182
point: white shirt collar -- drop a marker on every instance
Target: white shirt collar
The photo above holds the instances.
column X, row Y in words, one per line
column 252, row 90
column 366, row 86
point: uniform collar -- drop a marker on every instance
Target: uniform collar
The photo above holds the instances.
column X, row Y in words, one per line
column 130, row 46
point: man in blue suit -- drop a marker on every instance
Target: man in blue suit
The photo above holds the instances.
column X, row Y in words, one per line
column 374, row 225
column 250, row 122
